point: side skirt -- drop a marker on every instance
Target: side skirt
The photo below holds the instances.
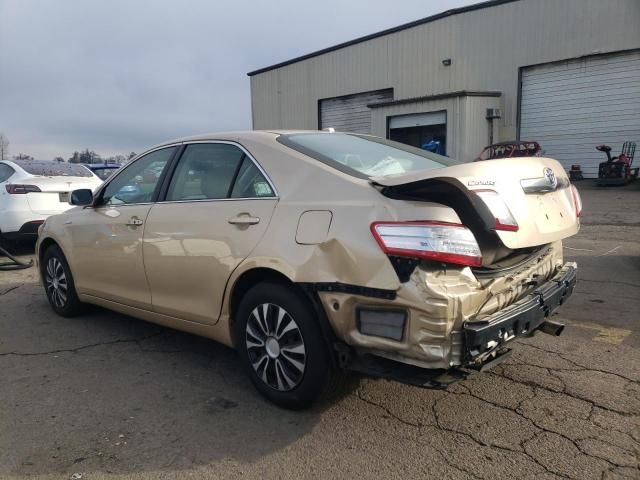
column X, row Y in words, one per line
column 218, row 332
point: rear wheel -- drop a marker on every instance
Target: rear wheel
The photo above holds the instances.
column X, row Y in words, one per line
column 58, row 283
column 281, row 346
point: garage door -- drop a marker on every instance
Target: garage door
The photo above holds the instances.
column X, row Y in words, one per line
column 350, row 113
column 570, row 107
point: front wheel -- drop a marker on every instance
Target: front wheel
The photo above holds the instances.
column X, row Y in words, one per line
column 280, row 343
column 58, row 283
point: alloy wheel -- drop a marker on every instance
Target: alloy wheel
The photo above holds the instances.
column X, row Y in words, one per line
column 56, row 282
column 275, row 346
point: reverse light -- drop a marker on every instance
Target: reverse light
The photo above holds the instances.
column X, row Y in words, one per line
column 504, row 219
column 16, row 189
column 438, row 241
column 577, row 201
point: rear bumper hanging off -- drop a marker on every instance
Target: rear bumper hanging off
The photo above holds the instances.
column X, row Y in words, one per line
column 483, row 337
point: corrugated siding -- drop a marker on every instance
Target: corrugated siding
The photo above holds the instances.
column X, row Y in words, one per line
column 350, row 113
column 572, row 107
column 486, row 48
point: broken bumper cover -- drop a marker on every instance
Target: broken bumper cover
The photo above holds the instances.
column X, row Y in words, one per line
column 482, row 337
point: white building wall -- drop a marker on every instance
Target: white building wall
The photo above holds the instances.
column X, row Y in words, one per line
column 486, row 47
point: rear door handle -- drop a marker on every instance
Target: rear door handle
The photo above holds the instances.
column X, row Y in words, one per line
column 244, row 220
column 134, row 222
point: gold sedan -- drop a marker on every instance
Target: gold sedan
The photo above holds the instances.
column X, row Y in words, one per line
column 310, row 252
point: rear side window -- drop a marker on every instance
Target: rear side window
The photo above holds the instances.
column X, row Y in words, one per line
column 5, row 172
column 55, row 169
column 211, row 171
column 250, row 182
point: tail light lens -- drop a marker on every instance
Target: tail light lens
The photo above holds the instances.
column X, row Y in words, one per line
column 577, row 201
column 504, row 218
column 438, row 241
column 16, row 189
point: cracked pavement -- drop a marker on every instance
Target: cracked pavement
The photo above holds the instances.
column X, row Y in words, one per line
column 109, row 396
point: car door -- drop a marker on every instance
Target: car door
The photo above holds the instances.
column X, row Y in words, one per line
column 215, row 210
column 107, row 238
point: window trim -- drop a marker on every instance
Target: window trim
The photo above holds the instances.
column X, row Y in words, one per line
column 162, row 197
column 100, row 191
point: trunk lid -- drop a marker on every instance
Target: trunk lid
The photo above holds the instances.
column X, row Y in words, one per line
column 54, row 195
column 545, row 212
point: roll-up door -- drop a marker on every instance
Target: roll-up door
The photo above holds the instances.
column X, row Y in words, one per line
column 571, row 107
column 350, row 113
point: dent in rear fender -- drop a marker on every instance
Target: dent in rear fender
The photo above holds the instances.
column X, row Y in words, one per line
column 348, row 255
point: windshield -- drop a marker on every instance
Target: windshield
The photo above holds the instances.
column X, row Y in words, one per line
column 364, row 155
column 54, row 169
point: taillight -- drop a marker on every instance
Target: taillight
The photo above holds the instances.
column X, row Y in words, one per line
column 577, row 201
column 438, row 241
column 15, row 189
column 504, row 219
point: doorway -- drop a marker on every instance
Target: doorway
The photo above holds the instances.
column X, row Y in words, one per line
column 427, row 131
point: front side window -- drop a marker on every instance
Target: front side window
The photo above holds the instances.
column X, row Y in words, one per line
column 139, row 180
column 210, row 171
column 5, row 172
column 363, row 155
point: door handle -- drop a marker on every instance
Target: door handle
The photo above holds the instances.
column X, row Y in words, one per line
column 134, row 222
column 245, row 219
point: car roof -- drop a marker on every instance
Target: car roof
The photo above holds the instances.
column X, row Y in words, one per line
column 236, row 136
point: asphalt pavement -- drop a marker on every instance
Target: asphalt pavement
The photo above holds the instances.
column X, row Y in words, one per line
column 108, row 396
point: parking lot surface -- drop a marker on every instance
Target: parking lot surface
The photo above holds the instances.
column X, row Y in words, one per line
column 108, row 396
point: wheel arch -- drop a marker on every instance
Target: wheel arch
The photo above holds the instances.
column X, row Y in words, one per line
column 260, row 274
column 247, row 280
column 43, row 245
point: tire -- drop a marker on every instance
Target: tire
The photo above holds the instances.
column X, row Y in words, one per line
column 58, row 283
column 288, row 361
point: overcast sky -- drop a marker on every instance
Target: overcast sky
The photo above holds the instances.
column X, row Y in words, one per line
column 121, row 75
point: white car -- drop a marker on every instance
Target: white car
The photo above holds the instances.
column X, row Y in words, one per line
column 32, row 190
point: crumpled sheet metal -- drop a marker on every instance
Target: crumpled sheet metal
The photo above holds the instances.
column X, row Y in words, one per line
column 438, row 302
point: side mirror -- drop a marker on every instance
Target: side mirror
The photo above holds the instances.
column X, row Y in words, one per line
column 81, row 197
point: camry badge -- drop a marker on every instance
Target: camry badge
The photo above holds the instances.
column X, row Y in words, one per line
column 483, row 182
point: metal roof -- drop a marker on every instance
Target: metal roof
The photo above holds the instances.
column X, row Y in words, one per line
column 415, row 23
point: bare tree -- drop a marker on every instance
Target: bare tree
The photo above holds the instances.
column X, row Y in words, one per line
column 58, row 159
column 4, row 147
column 22, row 156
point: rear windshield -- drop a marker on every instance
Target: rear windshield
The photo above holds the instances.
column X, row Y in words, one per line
column 364, row 155
column 104, row 172
column 54, row 169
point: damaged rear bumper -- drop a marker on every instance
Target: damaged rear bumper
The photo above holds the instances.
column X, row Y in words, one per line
column 482, row 338
column 438, row 303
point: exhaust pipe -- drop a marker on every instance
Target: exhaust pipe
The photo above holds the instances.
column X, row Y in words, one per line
column 552, row 328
